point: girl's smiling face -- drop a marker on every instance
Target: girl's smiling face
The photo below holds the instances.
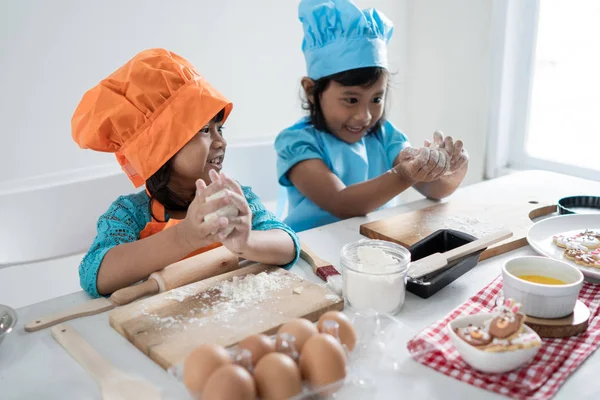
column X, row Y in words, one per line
column 205, row 151
column 351, row 111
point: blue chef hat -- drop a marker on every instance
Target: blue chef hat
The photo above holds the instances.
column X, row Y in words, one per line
column 338, row 37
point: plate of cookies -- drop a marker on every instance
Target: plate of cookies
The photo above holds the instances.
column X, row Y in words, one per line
column 495, row 342
column 574, row 238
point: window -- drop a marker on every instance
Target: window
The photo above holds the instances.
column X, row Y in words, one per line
column 546, row 100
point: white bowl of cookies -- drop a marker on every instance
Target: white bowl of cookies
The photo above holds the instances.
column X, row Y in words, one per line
column 495, row 342
column 546, row 287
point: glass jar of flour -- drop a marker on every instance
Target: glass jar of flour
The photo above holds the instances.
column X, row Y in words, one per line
column 374, row 275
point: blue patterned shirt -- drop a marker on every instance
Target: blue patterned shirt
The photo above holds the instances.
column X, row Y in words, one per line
column 127, row 217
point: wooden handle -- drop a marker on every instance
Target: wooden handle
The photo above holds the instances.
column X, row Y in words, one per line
column 131, row 293
column 205, row 265
column 92, row 307
column 477, row 245
column 83, row 353
column 438, row 261
column 311, row 258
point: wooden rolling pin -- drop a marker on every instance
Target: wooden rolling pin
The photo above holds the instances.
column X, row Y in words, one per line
column 205, row 265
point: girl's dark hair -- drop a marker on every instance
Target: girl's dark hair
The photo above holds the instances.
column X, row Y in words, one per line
column 354, row 77
column 158, row 185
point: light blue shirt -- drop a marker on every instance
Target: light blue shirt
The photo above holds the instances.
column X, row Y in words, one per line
column 353, row 163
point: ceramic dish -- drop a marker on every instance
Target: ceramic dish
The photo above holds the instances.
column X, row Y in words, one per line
column 540, row 236
column 484, row 361
column 541, row 300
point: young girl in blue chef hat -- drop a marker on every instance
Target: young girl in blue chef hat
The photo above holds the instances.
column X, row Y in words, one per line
column 345, row 159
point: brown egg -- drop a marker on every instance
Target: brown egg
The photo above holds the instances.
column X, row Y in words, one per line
column 277, row 377
column 323, row 361
column 302, row 329
column 259, row 346
column 347, row 334
column 230, row 382
column 201, row 363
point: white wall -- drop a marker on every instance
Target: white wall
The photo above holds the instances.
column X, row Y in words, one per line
column 448, row 74
column 51, row 52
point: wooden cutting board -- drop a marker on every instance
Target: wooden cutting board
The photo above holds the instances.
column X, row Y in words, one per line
column 168, row 326
column 509, row 202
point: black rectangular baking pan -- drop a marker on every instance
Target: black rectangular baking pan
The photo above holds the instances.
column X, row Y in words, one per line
column 441, row 241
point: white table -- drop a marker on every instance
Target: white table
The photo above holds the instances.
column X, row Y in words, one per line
column 33, row 365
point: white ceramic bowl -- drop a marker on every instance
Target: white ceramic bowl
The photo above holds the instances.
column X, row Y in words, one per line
column 539, row 300
column 488, row 362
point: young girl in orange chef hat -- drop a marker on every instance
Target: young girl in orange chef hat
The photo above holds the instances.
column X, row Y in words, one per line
column 164, row 123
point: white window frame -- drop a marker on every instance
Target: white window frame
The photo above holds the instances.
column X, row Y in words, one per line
column 513, row 44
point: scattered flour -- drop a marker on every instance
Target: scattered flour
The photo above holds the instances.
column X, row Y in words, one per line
column 470, row 225
column 332, row 297
column 180, row 294
column 230, row 298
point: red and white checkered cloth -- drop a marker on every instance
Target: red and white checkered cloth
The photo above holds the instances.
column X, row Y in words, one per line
column 540, row 379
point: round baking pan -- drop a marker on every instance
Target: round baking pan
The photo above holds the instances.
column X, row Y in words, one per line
column 579, row 205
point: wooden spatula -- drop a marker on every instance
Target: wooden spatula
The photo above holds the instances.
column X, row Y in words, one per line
column 437, row 261
column 115, row 384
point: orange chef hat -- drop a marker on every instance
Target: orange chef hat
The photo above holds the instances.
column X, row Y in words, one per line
column 146, row 111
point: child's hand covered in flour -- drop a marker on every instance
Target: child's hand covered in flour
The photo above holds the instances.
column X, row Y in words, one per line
column 197, row 230
column 235, row 234
column 422, row 165
column 455, row 151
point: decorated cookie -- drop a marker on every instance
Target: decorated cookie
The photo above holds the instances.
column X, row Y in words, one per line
column 507, row 321
column 562, row 240
column 474, row 335
column 587, row 260
column 589, row 241
column 573, row 245
column 588, row 232
column 584, row 240
column 522, row 341
column 573, row 254
column 504, row 330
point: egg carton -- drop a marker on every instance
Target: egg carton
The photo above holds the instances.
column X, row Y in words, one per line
column 377, row 350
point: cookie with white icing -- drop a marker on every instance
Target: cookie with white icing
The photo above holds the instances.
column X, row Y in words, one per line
column 474, row 335
column 506, row 326
column 573, row 254
column 587, row 260
column 504, row 331
column 584, row 240
column 589, row 241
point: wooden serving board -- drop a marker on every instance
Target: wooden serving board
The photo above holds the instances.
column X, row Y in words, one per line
column 168, row 326
column 510, row 202
column 571, row 325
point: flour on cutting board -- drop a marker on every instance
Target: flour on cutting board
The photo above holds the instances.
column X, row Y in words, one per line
column 470, row 225
column 180, row 294
column 230, row 298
